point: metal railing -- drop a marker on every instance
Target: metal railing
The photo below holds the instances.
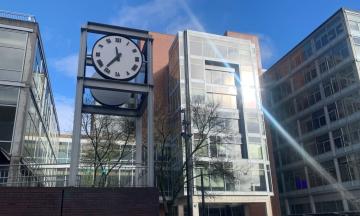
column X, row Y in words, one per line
column 17, row 16
column 57, row 175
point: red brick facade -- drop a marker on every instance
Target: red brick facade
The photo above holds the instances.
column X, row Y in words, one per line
column 79, row 201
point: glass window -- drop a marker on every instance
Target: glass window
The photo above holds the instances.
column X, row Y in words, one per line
column 11, row 59
column 255, row 151
column 323, row 144
column 289, row 155
column 253, row 127
column 126, row 177
column 318, row 119
column 214, row 140
column 329, row 206
column 8, row 95
column 247, row 78
column 206, row 175
column 333, row 56
column 201, row 145
column 224, row 101
column 13, row 38
column 333, row 113
column 313, row 121
column 233, row 52
column 339, row 29
column 196, row 48
column 197, row 71
column 316, row 179
column 354, row 26
column 295, row 180
column 340, row 138
column 356, row 40
column 220, row 77
column 300, row 208
column 357, row 50
column 7, row 118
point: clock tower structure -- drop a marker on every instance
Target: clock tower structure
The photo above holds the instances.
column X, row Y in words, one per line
column 123, row 71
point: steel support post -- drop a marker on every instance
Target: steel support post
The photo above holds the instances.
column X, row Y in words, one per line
column 202, row 194
column 75, row 148
column 150, row 116
column 187, row 120
column 138, row 155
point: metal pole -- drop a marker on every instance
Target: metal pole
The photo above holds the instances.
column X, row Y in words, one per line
column 150, row 116
column 75, row 148
column 138, row 155
column 187, row 121
column 187, row 165
column 202, row 193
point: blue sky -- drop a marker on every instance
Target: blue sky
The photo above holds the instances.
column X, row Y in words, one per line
column 280, row 24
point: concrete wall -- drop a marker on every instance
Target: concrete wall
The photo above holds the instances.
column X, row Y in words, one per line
column 79, row 201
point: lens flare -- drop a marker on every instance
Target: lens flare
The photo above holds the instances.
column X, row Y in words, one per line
column 309, row 159
column 290, row 140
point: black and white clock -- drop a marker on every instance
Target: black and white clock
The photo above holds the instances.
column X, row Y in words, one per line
column 117, row 57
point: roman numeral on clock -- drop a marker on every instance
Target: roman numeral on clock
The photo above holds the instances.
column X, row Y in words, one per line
column 100, row 63
column 134, row 67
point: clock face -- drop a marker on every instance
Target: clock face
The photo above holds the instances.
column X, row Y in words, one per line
column 117, row 57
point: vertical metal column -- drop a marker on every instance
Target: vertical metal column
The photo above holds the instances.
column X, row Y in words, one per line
column 187, row 120
column 138, row 160
column 75, row 149
column 150, row 116
column 202, row 194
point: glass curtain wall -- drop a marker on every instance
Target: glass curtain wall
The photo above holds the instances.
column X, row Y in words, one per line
column 224, row 71
column 42, row 131
column 12, row 53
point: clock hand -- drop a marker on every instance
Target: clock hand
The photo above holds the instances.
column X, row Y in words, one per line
column 116, row 51
column 116, row 58
column 119, row 56
column 112, row 61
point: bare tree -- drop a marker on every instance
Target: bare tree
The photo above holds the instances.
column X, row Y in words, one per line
column 110, row 139
column 205, row 122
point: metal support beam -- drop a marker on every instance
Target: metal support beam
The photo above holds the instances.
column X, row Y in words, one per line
column 139, row 163
column 146, row 90
column 75, row 149
column 103, row 110
column 105, row 29
column 89, row 61
column 142, row 105
column 187, row 121
column 150, row 117
column 114, row 85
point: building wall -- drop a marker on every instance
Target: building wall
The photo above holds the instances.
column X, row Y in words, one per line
column 79, row 201
column 237, row 92
column 275, row 202
column 161, row 46
column 14, row 44
column 28, row 116
column 313, row 92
